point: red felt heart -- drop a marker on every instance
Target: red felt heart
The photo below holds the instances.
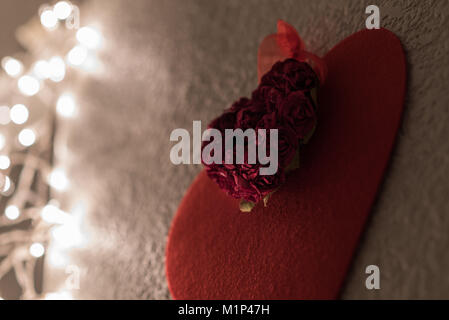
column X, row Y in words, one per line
column 301, row 245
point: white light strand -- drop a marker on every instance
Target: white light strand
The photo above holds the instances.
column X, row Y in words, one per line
column 65, row 228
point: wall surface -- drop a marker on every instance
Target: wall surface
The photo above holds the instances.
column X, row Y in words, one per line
column 14, row 13
column 167, row 63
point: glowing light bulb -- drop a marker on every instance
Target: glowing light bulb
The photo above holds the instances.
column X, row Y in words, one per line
column 42, row 69
column 4, row 115
column 48, row 19
column 58, row 180
column 57, row 69
column 89, row 36
column 77, row 56
column 19, row 114
column 37, row 250
column 28, row 85
column 62, row 10
column 66, row 106
column 2, row 141
column 5, row 162
column 12, row 212
column 27, row 137
column 12, row 67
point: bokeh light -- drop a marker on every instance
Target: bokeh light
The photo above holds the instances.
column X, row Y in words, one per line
column 12, row 67
column 19, row 114
column 63, row 295
column 29, row 85
column 7, row 185
column 57, row 69
column 77, row 56
column 66, row 106
column 49, row 19
column 53, row 215
column 42, row 69
column 12, row 212
column 4, row 115
column 5, row 162
column 62, row 10
column 27, row 137
column 58, row 179
column 37, row 250
column 90, row 37
column 2, row 141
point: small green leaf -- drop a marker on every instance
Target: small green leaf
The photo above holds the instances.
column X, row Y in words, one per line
column 268, row 196
column 294, row 164
column 265, row 199
column 246, row 206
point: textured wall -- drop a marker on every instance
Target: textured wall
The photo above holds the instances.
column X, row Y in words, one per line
column 167, row 63
column 14, row 13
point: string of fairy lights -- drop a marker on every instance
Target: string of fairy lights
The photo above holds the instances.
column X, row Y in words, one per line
column 31, row 177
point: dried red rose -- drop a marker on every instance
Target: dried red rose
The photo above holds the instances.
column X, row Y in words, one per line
column 244, row 181
column 287, row 140
column 269, row 96
column 290, row 75
column 298, row 111
column 249, row 116
column 282, row 101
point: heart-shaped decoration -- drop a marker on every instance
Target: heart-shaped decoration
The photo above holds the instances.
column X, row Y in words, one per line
column 302, row 244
